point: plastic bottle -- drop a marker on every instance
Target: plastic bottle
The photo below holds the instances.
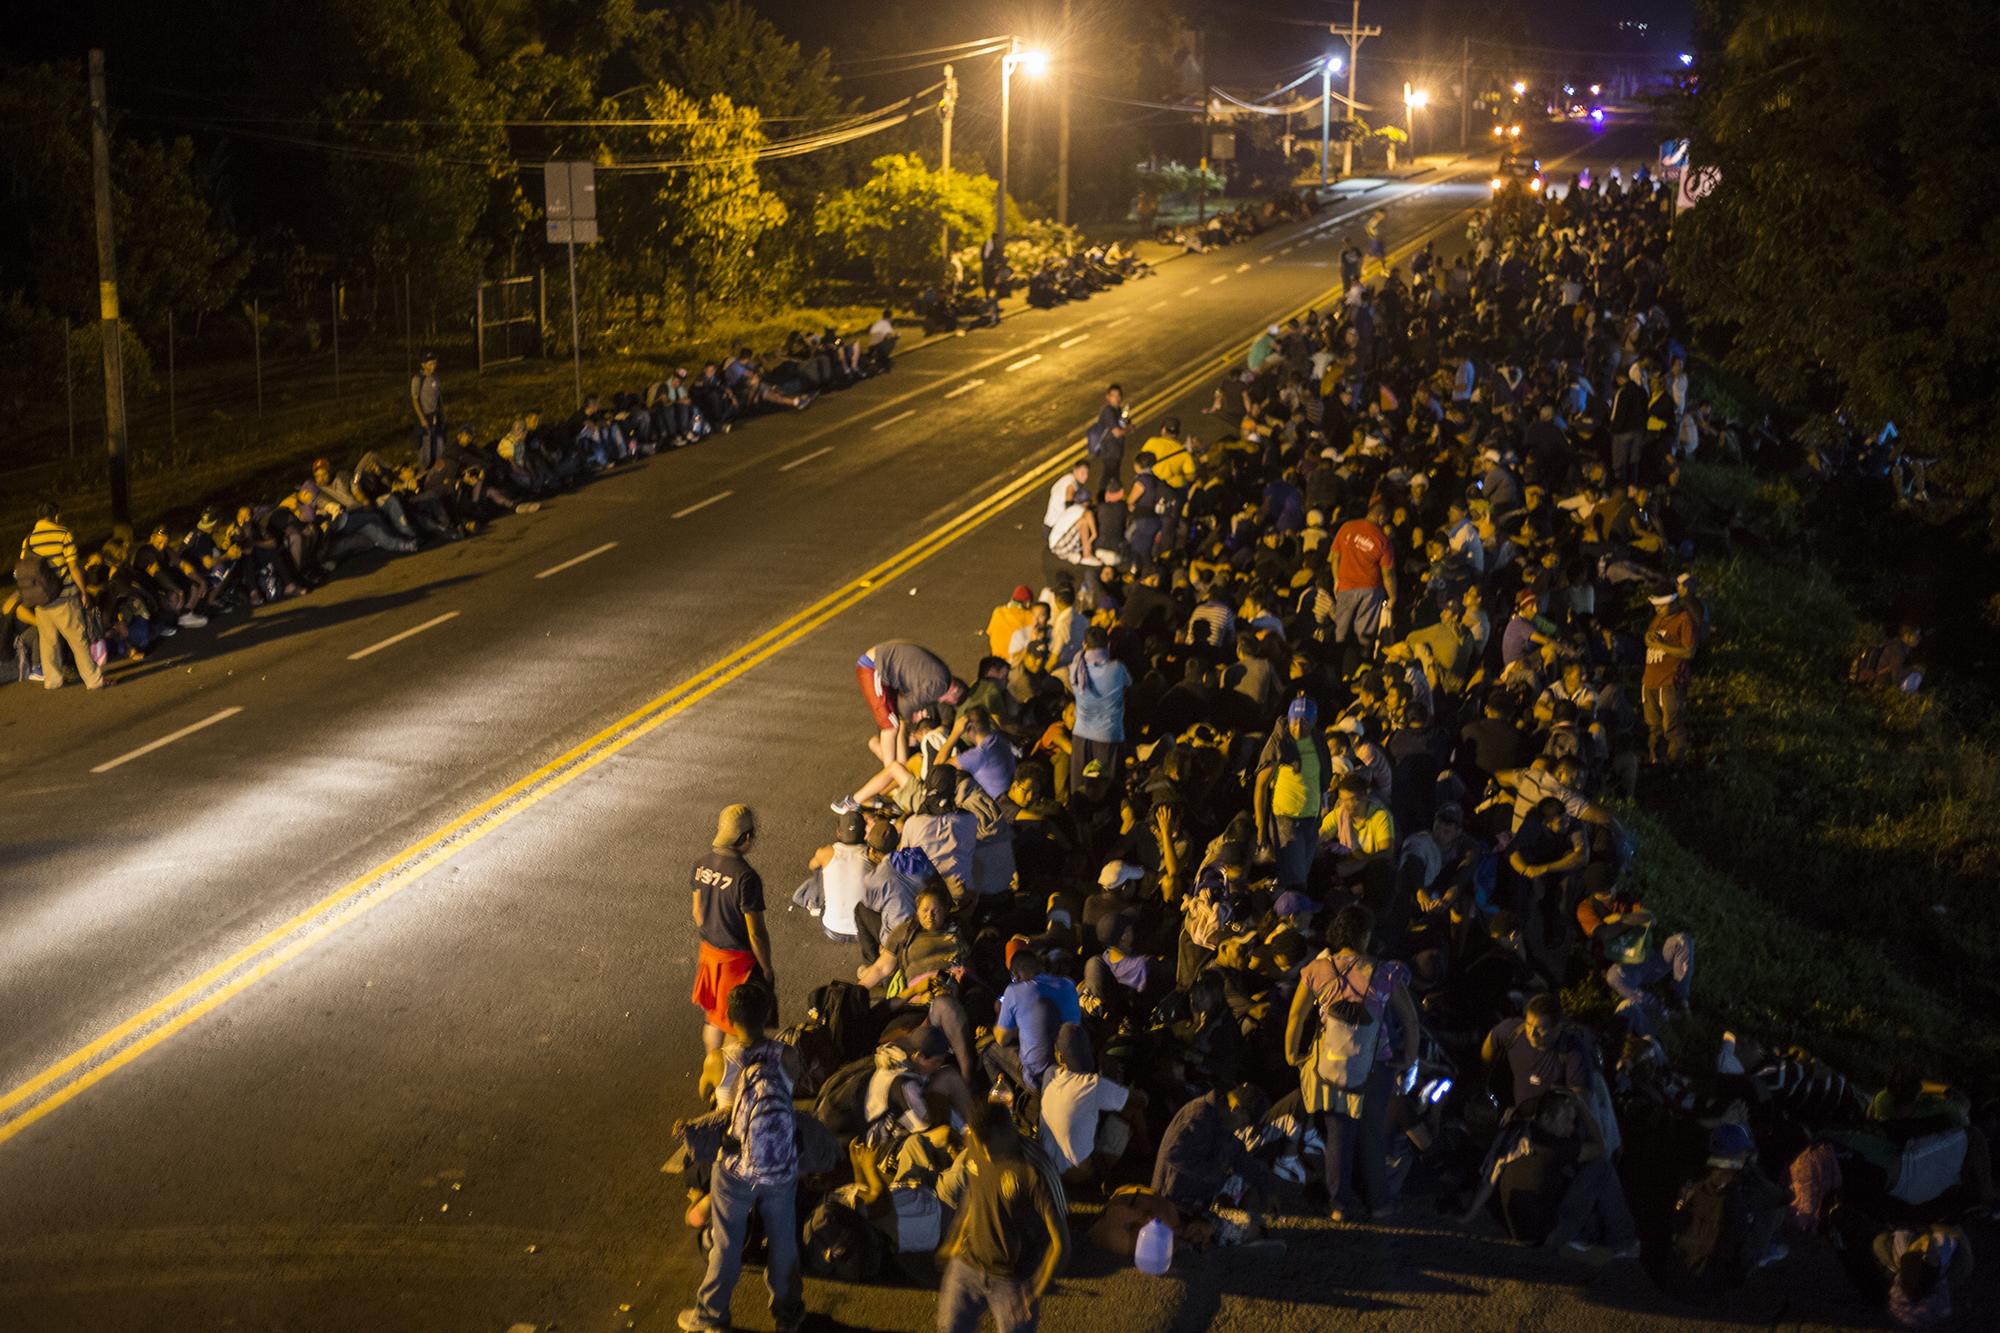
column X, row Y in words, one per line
column 1154, row 1254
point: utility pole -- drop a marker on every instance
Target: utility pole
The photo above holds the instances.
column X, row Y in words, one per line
column 1325, row 116
column 1067, row 51
column 947, row 104
column 1006, row 109
column 1201, row 157
column 1354, row 34
column 1465, row 93
column 107, row 293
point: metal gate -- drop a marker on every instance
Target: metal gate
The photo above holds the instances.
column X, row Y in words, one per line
column 508, row 320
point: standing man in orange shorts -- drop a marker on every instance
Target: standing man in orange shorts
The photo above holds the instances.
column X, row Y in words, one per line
column 729, row 916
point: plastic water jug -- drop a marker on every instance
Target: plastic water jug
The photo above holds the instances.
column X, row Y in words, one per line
column 1155, row 1252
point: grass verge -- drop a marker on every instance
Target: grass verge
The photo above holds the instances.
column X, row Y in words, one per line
column 1835, row 849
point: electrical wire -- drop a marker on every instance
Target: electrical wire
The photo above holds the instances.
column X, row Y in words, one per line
column 959, row 47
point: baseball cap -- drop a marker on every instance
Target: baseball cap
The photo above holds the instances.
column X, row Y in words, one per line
column 1023, row 593
column 1730, row 1144
column 1303, row 711
column 1293, row 903
column 884, row 837
column 1526, row 600
column 852, row 830
column 734, row 822
column 1118, row 872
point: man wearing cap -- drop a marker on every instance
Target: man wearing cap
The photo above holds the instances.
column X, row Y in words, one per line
column 1293, row 772
column 427, row 406
column 729, row 918
column 1364, row 578
column 1008, row 618
column 838, row 879
column 1033, row 1008
column 1670, row 643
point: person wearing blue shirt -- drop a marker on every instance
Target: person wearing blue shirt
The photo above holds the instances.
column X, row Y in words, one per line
column 1033, row 1009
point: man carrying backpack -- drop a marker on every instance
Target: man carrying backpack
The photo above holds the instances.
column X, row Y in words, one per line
column 756, row 1171
column 49, row 579
column 1726, row 1221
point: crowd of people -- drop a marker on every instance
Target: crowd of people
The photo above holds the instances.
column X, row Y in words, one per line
column 73, row 610
column 1266, row 861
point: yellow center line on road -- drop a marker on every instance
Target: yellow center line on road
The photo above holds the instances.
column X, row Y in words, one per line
column 61, row 1082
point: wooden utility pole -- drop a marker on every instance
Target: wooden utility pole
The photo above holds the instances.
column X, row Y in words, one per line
column 107, row 293
column 1354, row 34
column 947, row 104
column 1465, row 93
column 1067, row 59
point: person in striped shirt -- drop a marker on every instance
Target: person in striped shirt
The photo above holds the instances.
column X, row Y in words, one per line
column 62, row 616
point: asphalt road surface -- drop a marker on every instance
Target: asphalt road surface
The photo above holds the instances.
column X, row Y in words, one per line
column 345, row 951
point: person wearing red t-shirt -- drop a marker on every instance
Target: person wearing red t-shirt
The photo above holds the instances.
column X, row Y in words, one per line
column 1670, row 643
column 1364, row 578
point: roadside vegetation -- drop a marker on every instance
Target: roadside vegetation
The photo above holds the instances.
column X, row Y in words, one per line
column 1835, row 849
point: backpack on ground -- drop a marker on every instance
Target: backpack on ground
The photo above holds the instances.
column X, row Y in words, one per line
column 761, row 1129
column 1344, row 1052
column 35, row 579
column 843, row 1100
column 1711, row 1228
column 819, row 1057
column 843, row 1009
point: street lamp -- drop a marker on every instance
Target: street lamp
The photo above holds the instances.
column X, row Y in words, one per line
column 1414, row 99
column 1520, row 87
column 1329, row 67
column 1034, row 64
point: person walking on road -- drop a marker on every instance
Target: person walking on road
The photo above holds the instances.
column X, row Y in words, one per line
column 1364, row 580
column 757, row 1171
column 1009, row 1238
column 427, row 403
column 48, row 578
column 729, row 915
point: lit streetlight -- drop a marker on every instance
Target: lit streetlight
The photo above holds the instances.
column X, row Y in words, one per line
column 1328, row 67
column 1414, row 100
column 1034, row 64
column 1520, row 87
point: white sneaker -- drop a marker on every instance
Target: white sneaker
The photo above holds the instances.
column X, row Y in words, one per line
column 846, row 805
column 189, row 620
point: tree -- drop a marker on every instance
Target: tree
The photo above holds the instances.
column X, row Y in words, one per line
column 896, row 220
column 712, row 209
column 1844, row 258
column 176, row 250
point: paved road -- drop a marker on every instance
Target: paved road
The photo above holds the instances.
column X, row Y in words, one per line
column 361, row 1003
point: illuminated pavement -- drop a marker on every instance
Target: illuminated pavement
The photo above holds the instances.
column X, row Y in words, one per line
column 440, row 1101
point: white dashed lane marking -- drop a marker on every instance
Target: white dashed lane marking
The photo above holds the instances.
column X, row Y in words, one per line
column 168, row 739
column 576, row 560
column 702, row 504
column 820, row 452
column 394, row 639
column 965, row 388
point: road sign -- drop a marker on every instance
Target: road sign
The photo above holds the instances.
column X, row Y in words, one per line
column 577, row 231
column 569, row 189
column 1222, row 147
